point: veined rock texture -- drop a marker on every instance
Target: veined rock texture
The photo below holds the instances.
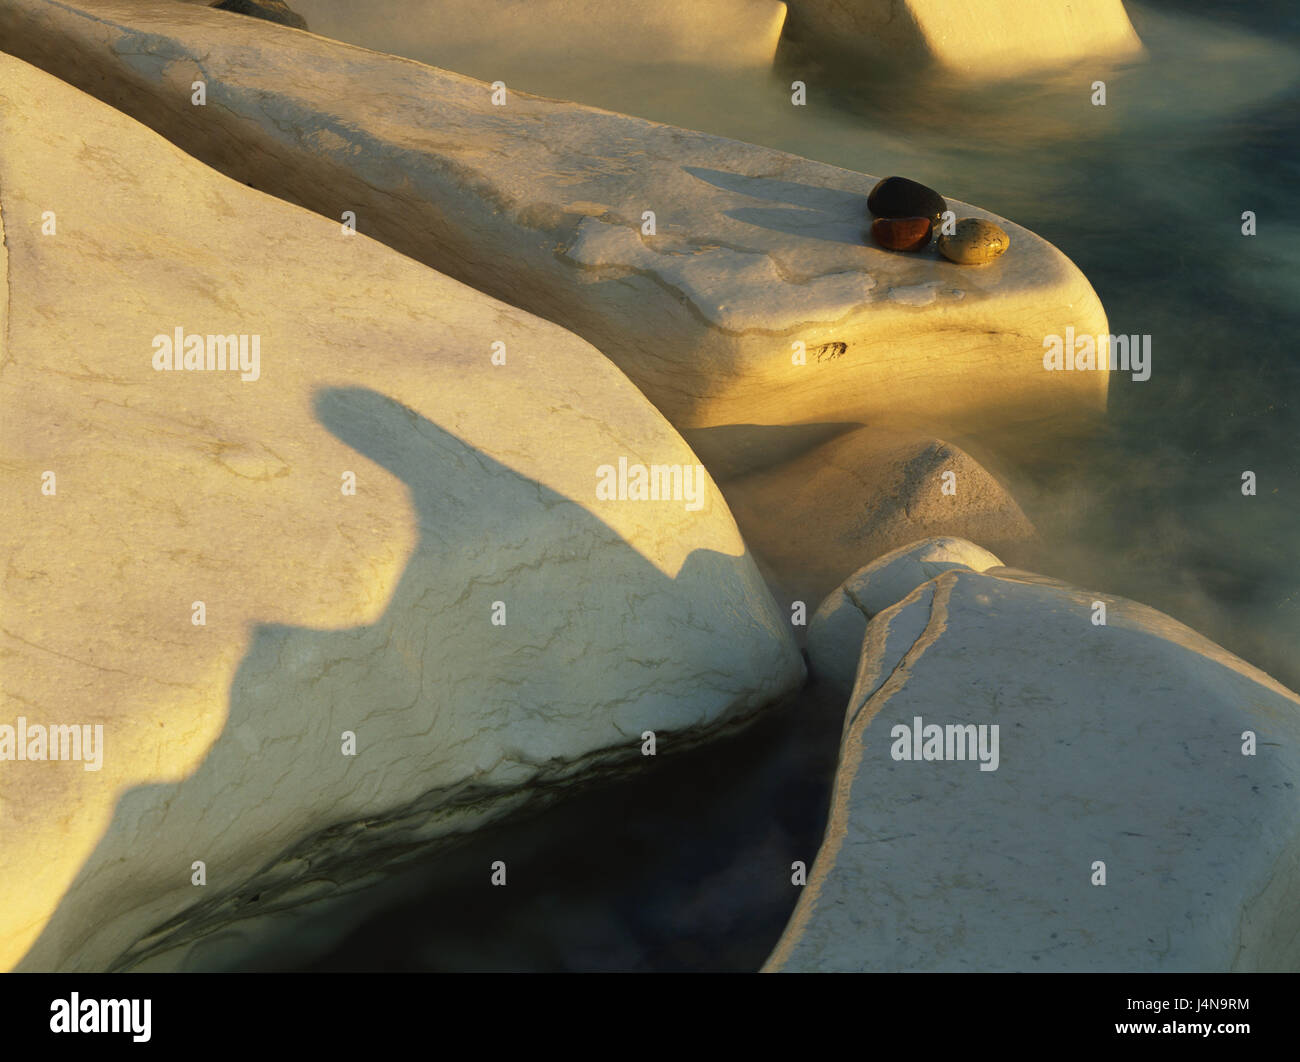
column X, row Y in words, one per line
column 837, row 628
column 1126, row 798
column 486, row 619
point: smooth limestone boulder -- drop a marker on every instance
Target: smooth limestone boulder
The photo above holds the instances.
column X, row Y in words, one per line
column 1023, row 788
column 837, row 628
column 986, row 39
column 721, row 33
column 818, row 518
column 388, row 573
column 730, row 282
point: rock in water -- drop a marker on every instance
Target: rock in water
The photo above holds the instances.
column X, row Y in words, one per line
column 424, row 558
column 1024, row 788
column 862, row 494
column 836, row 630
column 528, row 42
column 547, row 205
column 271, row 10
column 902, row 234
column 985, row 39
column 975, row 242
column 899, row 197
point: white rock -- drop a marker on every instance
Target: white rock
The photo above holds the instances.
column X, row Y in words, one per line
column 476, row 483
column 1119, row 745
column 823, row 515
column 981, row 38
column 756, row 302
column 838, row 626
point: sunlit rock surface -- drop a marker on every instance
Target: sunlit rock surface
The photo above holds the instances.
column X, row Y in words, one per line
column 755, row 305
column 324, row 613
column 837, row 628
column 982, row 38
column 727, row 33
column 820, row 517
column 1119, row 752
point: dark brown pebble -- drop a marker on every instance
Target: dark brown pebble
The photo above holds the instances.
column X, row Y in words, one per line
column 902, row 234
column 901, row 197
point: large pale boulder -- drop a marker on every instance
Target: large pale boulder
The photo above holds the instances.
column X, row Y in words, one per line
column 981, row 38
column 754, row 305
column 721, row 33
column 837, row 628
column 818, row 518
column 188, row 568
column 1136, row 808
